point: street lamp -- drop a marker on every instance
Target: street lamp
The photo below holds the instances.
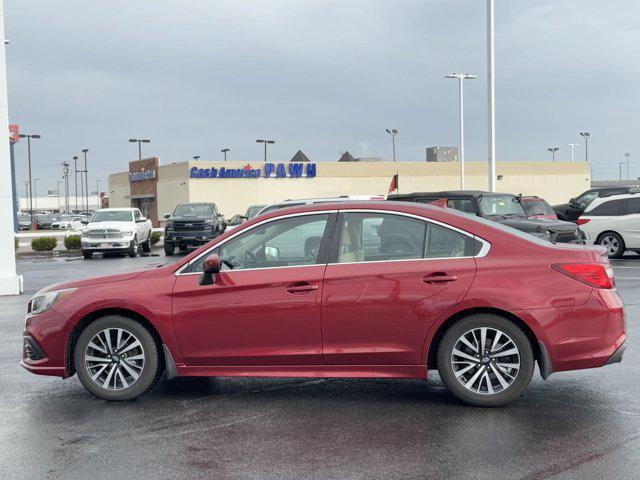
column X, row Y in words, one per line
column 86, row 177
column 140, row 141
column 461, row 78
column 491, row 94
column 35, row 192
column 58, row 192
column 224, row 151
column 393, row 132
column 627, row 155
column 553, row 151
column 586, row 136
column 620, row 164
column 65, row 175
column 29, row 137
column 571, row 146
column 266, row 142
column 75, row 170
column 196, row 157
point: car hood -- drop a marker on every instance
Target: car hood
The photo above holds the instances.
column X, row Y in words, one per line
column 93, row 281
column 190, row 218
column 113, row 225
column 537, row 225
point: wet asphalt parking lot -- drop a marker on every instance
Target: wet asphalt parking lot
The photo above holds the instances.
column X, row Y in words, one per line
column 583, row 424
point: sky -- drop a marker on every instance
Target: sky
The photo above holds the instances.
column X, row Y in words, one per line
column 323, row 76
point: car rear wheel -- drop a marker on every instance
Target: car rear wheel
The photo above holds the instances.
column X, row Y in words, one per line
column 87, row 254
column 133, row 247
column 485, row 360
column 117, row 358
column 169, row 249
column 614, row 244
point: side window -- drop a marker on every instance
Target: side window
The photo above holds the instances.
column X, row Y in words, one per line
column 464, row 205
column 633, row 206
column 585, row 199
column 610, row 208
column 373, row 237
column 136, row 215
column 286, row 242
column 443, row 242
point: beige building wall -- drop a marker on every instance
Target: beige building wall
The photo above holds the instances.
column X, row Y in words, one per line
column 119, row 190
column 556, row 182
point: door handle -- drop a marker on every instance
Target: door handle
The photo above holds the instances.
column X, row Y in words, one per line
column 438, row 277
column 300, row 289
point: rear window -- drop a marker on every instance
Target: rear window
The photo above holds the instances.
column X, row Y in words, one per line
column 610, row 208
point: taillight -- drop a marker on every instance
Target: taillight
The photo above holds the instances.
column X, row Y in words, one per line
column 596, row 275
column 582, row 221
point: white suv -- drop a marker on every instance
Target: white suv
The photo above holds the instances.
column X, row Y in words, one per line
column 116, row 230
column 613, row 222
column 307, row 201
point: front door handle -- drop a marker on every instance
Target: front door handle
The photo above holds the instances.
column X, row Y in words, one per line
column 438, row 278
column 300, row 289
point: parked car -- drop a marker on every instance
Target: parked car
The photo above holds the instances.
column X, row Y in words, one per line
column 614, row 222
column 192, row 224
column 116, row 230
column 68, row 222
column 536, row 207
column 239, row 219
column 310, row 201
column 44, row 221
column 476, row 300
column 503, row 208
column 572, row 210
column 24, row 221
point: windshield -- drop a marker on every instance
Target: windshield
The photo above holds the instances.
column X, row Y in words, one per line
column 501, row 205
column 253, row 211
column 112, row 216
column 193, row 210
column 537, row 206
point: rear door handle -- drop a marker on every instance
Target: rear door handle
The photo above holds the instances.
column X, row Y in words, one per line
column 438, row 277
column 300, row 289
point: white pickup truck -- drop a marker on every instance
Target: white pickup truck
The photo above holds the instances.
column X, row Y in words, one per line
column 121, row 230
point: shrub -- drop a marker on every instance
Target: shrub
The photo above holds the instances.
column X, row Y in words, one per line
column 72, row 242
column 155, row 237
column 44, row 244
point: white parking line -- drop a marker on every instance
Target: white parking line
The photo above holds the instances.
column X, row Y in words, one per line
column 616, row 266
column 627, row 278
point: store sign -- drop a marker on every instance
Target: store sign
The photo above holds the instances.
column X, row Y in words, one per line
column 271, row 170
column 142, row 175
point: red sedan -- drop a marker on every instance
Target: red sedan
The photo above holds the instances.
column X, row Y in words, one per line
column 371, row 289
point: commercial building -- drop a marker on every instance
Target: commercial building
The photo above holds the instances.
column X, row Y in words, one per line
column 156, row 189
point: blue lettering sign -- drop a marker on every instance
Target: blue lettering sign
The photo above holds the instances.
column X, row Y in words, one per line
column 311, row 170
column 268, row 169
column 280, row 171
column 295, row 170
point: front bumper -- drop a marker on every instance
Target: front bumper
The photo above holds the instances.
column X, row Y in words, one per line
column 44, row 344
column 106, row 245
column 188, row 238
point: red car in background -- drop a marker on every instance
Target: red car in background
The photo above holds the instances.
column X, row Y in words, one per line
column 357, row 289
column 536, row 207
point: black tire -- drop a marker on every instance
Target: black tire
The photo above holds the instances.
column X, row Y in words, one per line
column 133, row 248
column 151, row 369
column 87, row 254
column 169, row 249
column 521, row 378
column 614, row 243
column 146, row 245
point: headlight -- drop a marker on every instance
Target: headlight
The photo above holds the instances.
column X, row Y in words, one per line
column 41, row 302
column 548, row 233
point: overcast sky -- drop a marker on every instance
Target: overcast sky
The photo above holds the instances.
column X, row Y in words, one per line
column 321, row 75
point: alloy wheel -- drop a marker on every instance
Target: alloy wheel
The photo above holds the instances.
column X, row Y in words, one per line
column 485, row 360
column 611, row 243
column 114, row 359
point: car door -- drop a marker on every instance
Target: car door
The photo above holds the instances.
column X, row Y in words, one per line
column 264, row 306
column 389, row 278
column 629, row 223
column 140, row 226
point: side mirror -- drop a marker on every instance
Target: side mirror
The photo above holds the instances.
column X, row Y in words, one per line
column 84, row 222
column 210, row 268
column 220, row 214
column 142, row 219
column 572, row 201
column 167, row 216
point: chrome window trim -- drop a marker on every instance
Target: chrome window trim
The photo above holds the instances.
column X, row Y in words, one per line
column 484, row 250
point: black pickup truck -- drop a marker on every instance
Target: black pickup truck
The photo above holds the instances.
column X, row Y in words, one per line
column 192, row 224
column 503, row 208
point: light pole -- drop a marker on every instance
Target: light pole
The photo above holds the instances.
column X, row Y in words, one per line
column 392, row 133
column 98, row 181
column 35, row 192
column 491, row 92
column 553, row 151
column 75, row 174
column 224, row 152
column 29, row 137
column 620, row 164
column 65, row 171
column 586, row 136
column 461, row 78
column 266, row 142
column 196, row 157
column 627, row 155
column 140, row 141
column 572, row 146
column 58, row 192
column 26, row 189
column 86, row 177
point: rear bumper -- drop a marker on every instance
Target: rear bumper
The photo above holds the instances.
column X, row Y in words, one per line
column 617, row 355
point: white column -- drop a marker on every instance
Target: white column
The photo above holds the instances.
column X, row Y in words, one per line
column 461, row 80
column 10, row 282
column 491, row 96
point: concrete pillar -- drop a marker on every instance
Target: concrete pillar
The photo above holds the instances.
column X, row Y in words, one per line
column 10, row 282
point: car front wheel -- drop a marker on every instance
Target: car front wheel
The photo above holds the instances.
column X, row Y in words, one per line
column 614, row 244
column 133, row 247
column 485, row 360
column 117, row 358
